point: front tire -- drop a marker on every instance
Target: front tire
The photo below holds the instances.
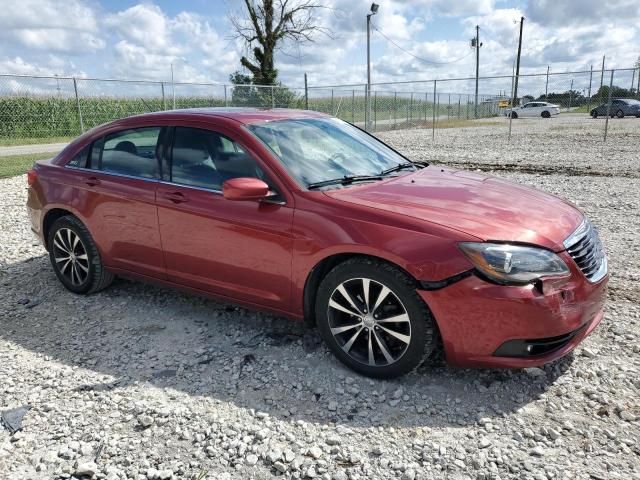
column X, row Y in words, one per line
column 371, row 317
column 620, row 114
column 594, row 114
column 514, row 115
column 546, row 114
column 75, row 258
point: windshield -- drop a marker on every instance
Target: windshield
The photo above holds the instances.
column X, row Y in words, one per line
column 316, row 150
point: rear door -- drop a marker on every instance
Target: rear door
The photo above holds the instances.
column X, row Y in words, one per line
column 239, row 249
column 119, row 187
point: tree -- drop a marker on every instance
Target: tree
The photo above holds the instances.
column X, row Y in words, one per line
column 243, row 94
column 270, row 23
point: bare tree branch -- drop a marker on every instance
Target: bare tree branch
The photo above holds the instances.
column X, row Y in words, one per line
column 270, row 23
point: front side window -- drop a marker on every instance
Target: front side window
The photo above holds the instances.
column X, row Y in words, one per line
column 203, row 158
column 130, row 152
column 315, row 150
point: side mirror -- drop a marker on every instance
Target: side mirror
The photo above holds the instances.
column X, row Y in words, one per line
column 245, row 188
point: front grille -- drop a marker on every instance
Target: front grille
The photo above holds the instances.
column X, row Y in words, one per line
column 585, row 248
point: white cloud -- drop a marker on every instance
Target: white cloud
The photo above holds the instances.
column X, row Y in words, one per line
column 150, row 41
column 63, row 26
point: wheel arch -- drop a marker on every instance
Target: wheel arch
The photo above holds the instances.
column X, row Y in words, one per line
column 324, row 266
column 49, row 219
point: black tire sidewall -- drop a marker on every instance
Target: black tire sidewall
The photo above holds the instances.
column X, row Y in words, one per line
column 423, row 330
column 75, row 225
column 620, row 114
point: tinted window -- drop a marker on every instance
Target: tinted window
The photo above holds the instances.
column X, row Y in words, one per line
column 206, row 159
column 79, row 160
column 130, row 152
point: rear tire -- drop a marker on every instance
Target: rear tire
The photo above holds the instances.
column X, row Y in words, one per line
column 75, row 258
column 594, row 114
column 620, row 114
column 514, row 115
column 358, row 328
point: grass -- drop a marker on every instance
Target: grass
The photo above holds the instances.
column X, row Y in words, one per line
column 15, row 165
column 10, row 142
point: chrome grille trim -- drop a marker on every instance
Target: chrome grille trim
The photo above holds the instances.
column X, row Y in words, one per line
column 584, row 246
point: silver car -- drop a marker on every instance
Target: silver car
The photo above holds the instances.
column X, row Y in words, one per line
column 534, row 109
column 619, row 107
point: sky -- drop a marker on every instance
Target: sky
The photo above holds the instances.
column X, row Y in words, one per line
column 140, row 40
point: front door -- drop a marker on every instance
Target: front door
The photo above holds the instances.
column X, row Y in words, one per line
column 239, row 249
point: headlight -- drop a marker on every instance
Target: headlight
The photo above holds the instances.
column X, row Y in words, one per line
column 513, row 264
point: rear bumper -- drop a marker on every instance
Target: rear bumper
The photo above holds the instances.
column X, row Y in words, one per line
column 487, row 325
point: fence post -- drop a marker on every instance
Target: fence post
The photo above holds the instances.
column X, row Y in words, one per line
column 633, row 78
column 273, row 98
column 164, row 103
column 433, row 109
column 449, row 109
column 546, row 87
column 353, row 106
column 395, row 108
column 411, row 107
column 332, row 102
column 226, row 103
column 426, row 103
column 570, row 94
column 459, row 107
column 468, row 100
column 75, row 88
column 589, row 96
column 606, row 123
column 306, row 93
column 512, row 102
column 375, row 111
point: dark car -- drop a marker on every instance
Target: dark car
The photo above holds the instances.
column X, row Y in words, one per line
column 619, row 107
column 309, row 217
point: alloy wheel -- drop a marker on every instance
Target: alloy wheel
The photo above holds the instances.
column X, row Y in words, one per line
column 369, row 322
column 70, row 256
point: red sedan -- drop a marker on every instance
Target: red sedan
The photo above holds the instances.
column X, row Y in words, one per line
column 307, row 216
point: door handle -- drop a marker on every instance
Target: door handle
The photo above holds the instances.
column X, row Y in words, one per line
column 92, row 181
column 175, row 197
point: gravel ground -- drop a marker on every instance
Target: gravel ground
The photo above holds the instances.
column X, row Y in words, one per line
column 140, row 382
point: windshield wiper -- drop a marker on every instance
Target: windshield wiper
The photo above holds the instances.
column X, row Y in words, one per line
column 402, row 166
column 346, row 180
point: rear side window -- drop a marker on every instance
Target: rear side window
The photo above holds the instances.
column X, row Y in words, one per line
column 79, row 160
column 130, row 152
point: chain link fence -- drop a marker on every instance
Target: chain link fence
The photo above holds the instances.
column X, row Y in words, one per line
column 38, row 109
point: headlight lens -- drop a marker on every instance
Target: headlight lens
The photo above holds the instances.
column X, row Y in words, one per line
column 514, row 264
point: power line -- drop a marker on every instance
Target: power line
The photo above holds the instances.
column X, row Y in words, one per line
column 415, row 56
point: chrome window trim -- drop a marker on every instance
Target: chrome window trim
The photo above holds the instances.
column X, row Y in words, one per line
column 115, row 174
column 164, row 182
column 193, row 187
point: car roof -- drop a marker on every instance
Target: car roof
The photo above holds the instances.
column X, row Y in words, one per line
column 240, row 114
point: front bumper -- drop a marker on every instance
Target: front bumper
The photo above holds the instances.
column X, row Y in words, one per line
column 476, row 319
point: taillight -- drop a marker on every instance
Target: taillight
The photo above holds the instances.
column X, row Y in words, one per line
column 32, row 176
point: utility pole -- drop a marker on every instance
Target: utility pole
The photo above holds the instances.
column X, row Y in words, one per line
column 515, row 88
column 374, row 10
column 475, row 42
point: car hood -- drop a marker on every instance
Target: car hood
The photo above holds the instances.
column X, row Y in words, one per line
column 486, row 207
